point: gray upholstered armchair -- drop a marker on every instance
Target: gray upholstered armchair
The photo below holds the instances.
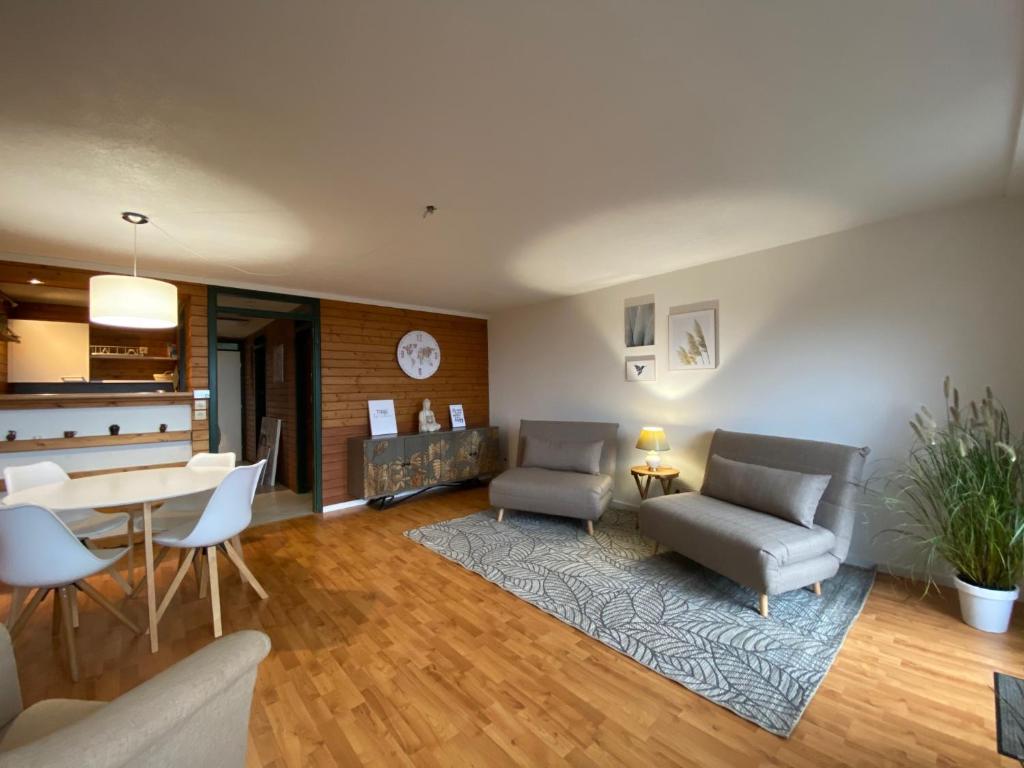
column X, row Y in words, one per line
column 563, row 468
column 196, row 713
column 773, row 514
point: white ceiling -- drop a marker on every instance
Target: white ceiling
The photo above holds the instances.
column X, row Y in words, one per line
column 567, row 145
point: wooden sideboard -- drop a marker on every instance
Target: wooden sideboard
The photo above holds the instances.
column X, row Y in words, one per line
column 382, row 467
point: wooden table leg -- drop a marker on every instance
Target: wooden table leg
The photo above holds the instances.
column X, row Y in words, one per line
column 147, row 526
column 647, row 487
column 666, row 484
column 639, row 488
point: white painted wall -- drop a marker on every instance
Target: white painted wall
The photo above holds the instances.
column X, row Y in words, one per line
column 838, row 338
column 48, row 351
column 229, row 400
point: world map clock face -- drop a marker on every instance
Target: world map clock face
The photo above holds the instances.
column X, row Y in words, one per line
column 419, row 354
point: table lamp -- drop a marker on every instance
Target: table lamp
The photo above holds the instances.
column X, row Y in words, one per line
column 652, row 440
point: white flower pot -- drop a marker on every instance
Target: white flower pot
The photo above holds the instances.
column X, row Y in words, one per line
column 986, row 609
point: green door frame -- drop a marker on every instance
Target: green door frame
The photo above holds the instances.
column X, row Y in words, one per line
column 309, row 310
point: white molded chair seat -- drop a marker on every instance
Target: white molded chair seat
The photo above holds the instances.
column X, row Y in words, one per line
column 84, row 523
column 38, row 551
column 227, row 514
column 186, row 509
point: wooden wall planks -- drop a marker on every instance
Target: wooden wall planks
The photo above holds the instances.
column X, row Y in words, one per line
column 358, row 343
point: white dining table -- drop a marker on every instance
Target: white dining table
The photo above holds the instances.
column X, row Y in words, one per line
column 143, row 486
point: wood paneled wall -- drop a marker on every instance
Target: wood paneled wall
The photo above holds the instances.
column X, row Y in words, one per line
column 358, row 346
column 280, row 395
column 191, row 300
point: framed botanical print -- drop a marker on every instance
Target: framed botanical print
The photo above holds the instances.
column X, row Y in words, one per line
column 693, row 337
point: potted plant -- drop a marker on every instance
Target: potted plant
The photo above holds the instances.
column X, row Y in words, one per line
column 962, row 490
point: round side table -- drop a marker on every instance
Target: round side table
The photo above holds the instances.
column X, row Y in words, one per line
column 664, row 474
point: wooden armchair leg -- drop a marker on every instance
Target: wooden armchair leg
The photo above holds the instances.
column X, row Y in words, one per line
column 501, row 514
column 211, row 567
column 112, row 609
column 26, row 613
column 763, row 605
column 590, row 527
column 18, row 595
column 817, row 588
column 66, row 595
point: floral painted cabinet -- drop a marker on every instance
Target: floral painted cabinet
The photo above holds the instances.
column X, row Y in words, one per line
column 386, row 466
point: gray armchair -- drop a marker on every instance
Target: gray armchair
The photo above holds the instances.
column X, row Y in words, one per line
column 741, row 523
column 196, row 713
column 563, row 468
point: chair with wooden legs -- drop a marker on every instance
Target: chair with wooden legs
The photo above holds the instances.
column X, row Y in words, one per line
column 39, row 551
column 86, row 524
column 227, row 514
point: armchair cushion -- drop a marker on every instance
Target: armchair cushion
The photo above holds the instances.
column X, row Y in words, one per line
column 792, row 496
column 567, row 494
column 46, row 717
column 566, row 456
column 747, row 546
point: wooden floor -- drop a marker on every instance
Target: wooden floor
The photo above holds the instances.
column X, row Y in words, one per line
column 387, row 654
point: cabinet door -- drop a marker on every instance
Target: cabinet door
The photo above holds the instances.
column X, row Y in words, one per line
column 382, row 466
column 489, row 452
column 465, row 454
column 425, row 459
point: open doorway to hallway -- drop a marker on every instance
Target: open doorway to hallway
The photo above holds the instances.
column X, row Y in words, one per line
column 264, row 374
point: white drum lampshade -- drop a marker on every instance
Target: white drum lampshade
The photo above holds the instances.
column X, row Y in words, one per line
column 132, row 302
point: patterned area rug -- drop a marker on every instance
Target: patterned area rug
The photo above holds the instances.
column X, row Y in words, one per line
column 670, row 614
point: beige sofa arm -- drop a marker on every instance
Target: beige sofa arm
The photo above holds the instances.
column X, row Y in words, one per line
column 10, row 689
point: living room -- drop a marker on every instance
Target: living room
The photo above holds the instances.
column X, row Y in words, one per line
column 512, row 384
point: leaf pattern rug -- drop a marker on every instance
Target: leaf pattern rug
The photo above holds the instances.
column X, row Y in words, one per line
column 666, row 612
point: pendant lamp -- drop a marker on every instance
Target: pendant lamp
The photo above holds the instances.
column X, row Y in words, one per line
column 130, row 301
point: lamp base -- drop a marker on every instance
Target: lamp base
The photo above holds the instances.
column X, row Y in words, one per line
column 653, row 460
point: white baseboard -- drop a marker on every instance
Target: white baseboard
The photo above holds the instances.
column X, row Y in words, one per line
column 343, row 505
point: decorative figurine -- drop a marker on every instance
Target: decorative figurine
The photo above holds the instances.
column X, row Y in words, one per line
column 428, row 422
column 115, row 429
column 69, row 433
column 11, row 435
column 163, row 427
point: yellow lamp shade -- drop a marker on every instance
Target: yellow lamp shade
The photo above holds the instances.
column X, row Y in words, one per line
column 132, row 302
column 652, row 439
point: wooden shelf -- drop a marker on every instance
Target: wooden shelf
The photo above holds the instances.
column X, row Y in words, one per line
column 131, row 357
column 92, row 400
column 93, row 441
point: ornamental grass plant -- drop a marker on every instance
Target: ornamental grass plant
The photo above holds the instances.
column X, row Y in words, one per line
column 962, row 491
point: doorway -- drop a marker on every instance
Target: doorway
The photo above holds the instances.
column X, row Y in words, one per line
column 269, row 343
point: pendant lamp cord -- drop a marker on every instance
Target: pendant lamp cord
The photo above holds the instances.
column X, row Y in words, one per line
column 135, row 251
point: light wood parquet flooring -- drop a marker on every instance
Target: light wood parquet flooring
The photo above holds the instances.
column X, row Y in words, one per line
column 386, row 654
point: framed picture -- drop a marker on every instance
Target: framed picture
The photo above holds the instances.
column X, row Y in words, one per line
column 382, row 417
column 693, row 337
column 458, row 416
column 640, row 368
column 639, row 321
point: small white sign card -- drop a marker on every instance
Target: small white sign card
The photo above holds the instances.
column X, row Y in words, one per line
column 458, row 416
column 382, row 417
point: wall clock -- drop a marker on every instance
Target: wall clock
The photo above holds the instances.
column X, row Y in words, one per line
column 419, row 354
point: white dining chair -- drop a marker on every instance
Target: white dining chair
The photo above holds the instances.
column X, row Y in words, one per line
column 39, row 551
column 86, row 524
column 186, row 509
column 227, row 514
